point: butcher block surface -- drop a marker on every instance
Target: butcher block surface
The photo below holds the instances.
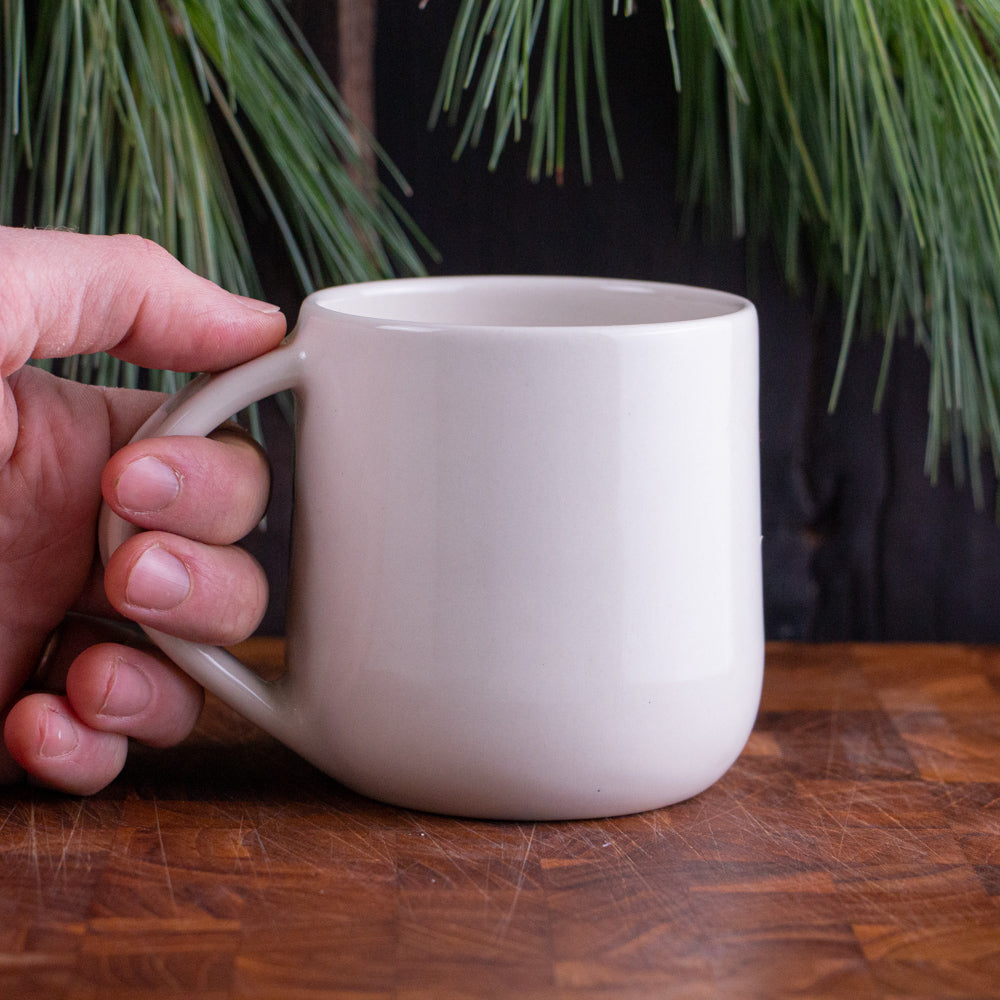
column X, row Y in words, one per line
column 853, row 851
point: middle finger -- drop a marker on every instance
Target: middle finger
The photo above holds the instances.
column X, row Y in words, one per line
column 204, row 593
column 214, row 490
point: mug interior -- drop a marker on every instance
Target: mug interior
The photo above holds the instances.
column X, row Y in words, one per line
column 529, row 302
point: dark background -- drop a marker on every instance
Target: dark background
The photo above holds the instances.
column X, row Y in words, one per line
column 858, row 544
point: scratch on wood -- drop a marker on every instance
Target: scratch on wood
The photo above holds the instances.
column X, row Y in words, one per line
column 6, row 819
column 33, row 852
column 68, row 840
column 447, row 854
column 163, row 854
column 503, row 925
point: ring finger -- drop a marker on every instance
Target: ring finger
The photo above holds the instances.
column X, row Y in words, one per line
column 204, row 593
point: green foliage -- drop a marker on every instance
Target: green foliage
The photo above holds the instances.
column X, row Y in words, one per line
column 147, row 115
column 868, row 132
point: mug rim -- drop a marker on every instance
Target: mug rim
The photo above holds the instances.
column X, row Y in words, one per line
column 704, row 305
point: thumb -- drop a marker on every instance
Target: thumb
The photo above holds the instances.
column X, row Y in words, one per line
column 65, row 293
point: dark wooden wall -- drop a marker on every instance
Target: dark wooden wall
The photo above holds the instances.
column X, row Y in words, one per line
column 857, row 543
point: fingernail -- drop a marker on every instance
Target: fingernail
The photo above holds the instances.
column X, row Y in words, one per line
column 159, row 581
column 257, row 305
column 59, row 735
column 147, row 485
column 128, row 691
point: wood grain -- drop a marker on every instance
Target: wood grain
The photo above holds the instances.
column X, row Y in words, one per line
column 853, row 851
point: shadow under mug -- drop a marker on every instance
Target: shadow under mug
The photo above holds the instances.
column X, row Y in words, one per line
column 526, row 566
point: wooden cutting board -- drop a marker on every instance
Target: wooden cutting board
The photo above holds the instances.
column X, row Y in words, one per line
column 853, row 851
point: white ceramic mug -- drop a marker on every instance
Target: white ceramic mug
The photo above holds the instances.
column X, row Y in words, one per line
column 526, row 577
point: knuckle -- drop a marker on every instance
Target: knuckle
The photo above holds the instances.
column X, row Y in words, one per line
column 130, row 246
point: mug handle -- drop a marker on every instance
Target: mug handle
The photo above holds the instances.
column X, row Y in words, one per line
column 198, row 409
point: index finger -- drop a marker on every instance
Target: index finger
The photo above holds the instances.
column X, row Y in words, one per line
column 65, row 293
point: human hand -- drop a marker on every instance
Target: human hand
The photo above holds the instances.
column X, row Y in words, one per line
column 60, row 442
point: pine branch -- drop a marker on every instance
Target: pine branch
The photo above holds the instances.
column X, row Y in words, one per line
column 871, row 139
